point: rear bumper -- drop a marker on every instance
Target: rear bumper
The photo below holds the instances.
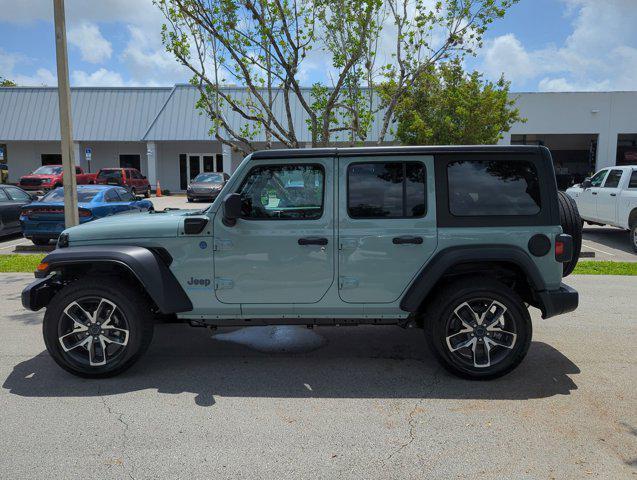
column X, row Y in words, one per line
column 556, row 302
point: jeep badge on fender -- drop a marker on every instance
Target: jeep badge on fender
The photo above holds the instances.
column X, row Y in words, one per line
column 458, row 241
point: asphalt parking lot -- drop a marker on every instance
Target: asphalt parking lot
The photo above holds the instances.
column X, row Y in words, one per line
column 599, row 243
column 355, row 402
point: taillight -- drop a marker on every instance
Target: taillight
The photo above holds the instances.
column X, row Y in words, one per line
column 563, row 248
column 84, row 213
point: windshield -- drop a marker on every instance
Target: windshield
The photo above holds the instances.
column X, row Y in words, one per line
column 109, row 174
column 57, row 195
column 48, row 170
column 208, row 178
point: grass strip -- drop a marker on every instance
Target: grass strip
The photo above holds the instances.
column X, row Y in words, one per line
column 19, row 263
column 605, row 268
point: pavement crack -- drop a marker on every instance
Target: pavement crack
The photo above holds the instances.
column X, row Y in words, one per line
column 411, row 418
column 120, row 418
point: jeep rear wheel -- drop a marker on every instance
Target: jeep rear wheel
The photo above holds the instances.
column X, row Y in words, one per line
column 478, row 328
column 97, row 328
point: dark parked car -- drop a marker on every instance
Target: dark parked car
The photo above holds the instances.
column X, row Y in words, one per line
column 126, row 177
column 206, row 186
column 12, row 199
column 44, row 220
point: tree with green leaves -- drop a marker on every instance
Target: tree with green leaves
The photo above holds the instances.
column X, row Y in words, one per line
column 447, row 106
column 5, row 82
column 260, row 48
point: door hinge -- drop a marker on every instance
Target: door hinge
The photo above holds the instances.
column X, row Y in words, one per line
column 347, row 243
column 221, row 244
column 347, row 282
column 223, row 283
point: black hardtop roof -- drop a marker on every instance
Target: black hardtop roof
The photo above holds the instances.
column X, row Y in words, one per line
column 392, row 150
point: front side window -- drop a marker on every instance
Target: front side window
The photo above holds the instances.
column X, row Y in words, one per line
column 3, row 196
column 386, row 190
column 598, row 178
column 17, row 194
column 612, row 181
column 283, row 192
column 493, row 188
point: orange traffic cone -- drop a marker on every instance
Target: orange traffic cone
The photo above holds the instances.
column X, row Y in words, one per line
column 158, row 191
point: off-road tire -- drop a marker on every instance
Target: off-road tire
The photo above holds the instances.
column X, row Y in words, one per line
column 633, row 236
column 147, row 193
column 40, row 242
column 572, row 225
column 132, row 304
column 451, row 296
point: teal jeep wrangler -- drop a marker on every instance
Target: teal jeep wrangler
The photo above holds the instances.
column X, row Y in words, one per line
column 458, row 241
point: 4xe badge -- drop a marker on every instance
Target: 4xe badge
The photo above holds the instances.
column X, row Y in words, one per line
column 198, row 282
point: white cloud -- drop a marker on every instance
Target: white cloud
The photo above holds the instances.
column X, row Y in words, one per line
column 506, row 55
column 8, row 63
column 86, row 36
column 148, row 61
column 99, row 78
column 599, row 54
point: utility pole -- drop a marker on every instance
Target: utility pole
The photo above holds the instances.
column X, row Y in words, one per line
column 71, row 216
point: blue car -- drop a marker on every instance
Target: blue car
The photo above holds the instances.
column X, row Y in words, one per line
column 43, row 220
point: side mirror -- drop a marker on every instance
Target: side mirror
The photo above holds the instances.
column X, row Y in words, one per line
column 586, row 183
column 231, row 209
column 34, row 197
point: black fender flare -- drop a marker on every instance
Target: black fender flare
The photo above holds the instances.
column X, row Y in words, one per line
column 433, row 271
column 147, row 266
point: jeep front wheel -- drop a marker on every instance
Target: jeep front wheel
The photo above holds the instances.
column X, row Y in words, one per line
column 478, row 328
column 97, row 327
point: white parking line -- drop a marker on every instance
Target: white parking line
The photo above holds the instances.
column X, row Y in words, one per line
column 598, row 250
column 13, row 245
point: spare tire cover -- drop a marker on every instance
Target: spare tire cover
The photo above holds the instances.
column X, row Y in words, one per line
column 572, row 225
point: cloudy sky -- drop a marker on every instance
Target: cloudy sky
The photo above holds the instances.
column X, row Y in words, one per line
column 542, row 45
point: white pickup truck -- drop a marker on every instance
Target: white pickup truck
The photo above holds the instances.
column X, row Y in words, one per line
column 609, row 198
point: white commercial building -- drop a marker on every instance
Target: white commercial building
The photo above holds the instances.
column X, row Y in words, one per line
column 160, row 132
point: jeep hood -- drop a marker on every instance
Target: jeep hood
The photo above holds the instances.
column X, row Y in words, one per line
column 129, row 225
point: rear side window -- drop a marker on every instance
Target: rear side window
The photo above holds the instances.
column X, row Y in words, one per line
column 386, row 190
column 633, row 180
column 493, row 188
column 612, row 181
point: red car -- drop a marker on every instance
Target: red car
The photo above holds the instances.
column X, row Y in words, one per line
column 126, row 177
column 48, row 177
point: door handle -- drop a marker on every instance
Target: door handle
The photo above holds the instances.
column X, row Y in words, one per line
column 313, row 241
column 613, row 194
column 594, row 193
column 407, row 239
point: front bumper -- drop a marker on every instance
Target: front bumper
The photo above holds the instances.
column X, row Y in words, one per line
column 211, row 194
column 39, row 293
column 556, row 302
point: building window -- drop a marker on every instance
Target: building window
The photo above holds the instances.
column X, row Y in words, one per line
column 130, row 161
column 51, row 158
